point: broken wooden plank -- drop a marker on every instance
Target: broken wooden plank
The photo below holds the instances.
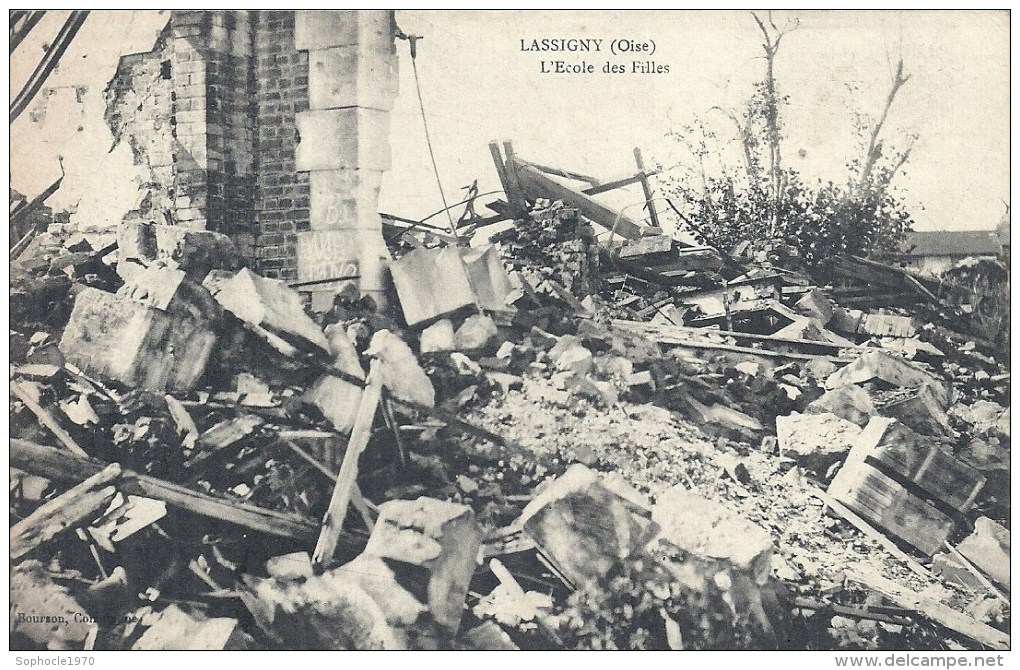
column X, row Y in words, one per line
column 937, row 612
column 904, row 455
column 610, row 186
column 497, row 160
column 751, row 337
column 60, row 465
column 24, row 209
column 538, row 185
column 567, row 174
column 860, row 524
column 222, row 435
column 887, row 503
column 515, row 195
column 46, row 419
column 346, row 479
column 693, row 338
column 646, row 188
column 63, row 512
column 977, row 573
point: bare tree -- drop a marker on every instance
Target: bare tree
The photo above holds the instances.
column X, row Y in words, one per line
column 773, row 36
column 874, row 150
column 748, row 143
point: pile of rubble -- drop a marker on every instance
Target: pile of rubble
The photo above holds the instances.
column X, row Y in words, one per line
column 551, row 442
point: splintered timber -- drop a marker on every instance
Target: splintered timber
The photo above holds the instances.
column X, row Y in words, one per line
column 584, row 67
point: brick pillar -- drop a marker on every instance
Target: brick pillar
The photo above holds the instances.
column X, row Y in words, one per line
column 344, row 144
column 214, row 114
column 282, row 194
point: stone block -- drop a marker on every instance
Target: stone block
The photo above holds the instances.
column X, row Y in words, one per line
column 266, row 303
column 191, row 250
column 887, row 504
column 439, row 538
column 295, row 566
column 475, row 333
column 437, row 337
column 818, row 441
column 848, row 402
column 113, row 336
column 401, row 609
column 906, row 456
column 706, row 529
column 488, row 636
column 570, row 355
column 336, row 398
column 921, row 412
column 487, row 276
column 335, row 139
column 891, row 370
column 176, row 630
column 402, row 376
column 431, row 283
column 345, row 199
column 988, row 549
column 584, row 528
column 330, row 611
column 352, row 76
column 815, row 305
column 372, row 30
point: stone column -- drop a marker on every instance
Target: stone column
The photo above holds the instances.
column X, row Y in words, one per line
column 344, row 145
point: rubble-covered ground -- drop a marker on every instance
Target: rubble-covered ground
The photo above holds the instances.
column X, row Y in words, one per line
column 591, row 463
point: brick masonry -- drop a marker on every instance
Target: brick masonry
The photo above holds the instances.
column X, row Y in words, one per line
column 139, row 111
column 282, row 194
column 215, row 112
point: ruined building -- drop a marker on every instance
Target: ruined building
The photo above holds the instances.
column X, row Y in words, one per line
column 271, row 127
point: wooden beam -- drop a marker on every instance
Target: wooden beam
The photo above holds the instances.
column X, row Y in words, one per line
column 567, row 174
column 646, row 187
column 615, row 184
column 20, row 32
column 539, row 185
column 48, row 63
column 46, row 419
column 346, row 479
column 59, row 465
column 515, row 194
column 863, row 526
column 936, row 611
column 63, row 512
column 683, row 331
column 497, row 159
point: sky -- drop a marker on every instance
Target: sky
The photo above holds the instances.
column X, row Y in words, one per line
column 478, row 85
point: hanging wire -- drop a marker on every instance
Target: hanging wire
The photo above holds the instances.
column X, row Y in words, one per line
column 413, row 43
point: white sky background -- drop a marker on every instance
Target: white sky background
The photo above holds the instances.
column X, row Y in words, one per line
column 478, row 86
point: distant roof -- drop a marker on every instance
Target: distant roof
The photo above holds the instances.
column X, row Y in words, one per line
column 952, row 243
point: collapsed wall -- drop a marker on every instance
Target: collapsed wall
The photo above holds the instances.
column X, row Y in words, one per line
column 271, row 127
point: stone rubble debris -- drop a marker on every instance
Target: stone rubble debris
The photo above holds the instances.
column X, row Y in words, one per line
column 536, row 394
